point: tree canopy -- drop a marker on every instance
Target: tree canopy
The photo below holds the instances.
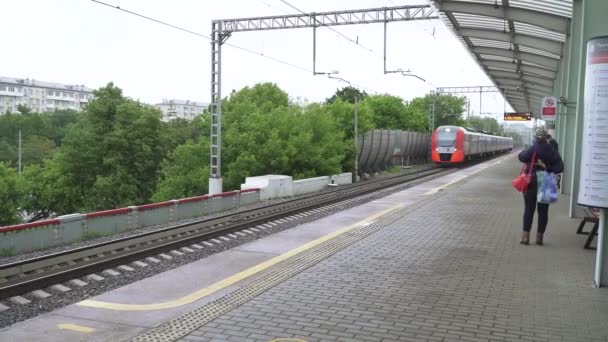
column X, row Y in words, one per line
column 348, row 94
column 118, row 152
column 484, row 124
column 448, row 109
column 9, row 194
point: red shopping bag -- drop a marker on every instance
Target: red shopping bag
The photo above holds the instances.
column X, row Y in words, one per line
column 521, row 182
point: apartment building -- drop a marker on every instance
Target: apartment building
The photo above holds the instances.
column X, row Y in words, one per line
column 184, row 109
column 41, row 96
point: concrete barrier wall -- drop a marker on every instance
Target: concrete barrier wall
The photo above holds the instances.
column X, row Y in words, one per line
column 76, row 227
column 278, row 186
column 30, row 236
column 271, row 186
column 344, row 178
column 308, row 185
column 110, row 221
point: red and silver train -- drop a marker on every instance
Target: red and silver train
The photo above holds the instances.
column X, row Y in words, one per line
column 456, row 145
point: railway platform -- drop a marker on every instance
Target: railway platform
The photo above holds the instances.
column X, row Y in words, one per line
column 440, row 261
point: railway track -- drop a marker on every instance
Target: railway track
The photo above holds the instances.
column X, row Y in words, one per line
column 32, row 274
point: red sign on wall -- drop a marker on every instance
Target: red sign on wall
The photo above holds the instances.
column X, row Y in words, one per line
column 549, row 108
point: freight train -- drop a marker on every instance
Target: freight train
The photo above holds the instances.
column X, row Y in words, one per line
column 456, row 145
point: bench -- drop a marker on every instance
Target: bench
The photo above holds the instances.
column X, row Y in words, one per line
column 593, row 216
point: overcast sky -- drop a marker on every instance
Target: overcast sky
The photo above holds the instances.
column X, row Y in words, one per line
column 81, row 42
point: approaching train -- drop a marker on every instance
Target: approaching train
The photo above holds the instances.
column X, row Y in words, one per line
column 456, row 145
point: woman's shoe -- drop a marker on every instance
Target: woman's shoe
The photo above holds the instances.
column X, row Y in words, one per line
column 539, row 239
column 525, row 238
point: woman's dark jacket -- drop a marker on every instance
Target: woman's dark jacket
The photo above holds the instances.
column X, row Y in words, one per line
column 547, row 154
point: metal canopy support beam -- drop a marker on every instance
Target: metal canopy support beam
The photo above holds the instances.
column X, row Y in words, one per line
column 523, row 68
column 524, row 77
column 548, row 21
column 513, row 82
column 547, row 62
column 549, row 45
column 461, row 90
column 334, row 18
column 514, row 89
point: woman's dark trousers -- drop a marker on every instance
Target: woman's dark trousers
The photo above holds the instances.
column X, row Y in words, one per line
column 530, row 206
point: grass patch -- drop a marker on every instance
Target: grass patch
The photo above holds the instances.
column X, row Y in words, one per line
column 92, row 235
column 394, row 169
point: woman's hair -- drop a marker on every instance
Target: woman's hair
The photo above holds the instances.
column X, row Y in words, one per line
column 541, row 134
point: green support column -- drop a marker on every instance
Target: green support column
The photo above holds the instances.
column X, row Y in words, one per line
column 590, row 22
column 576, row 77
column 557, row 91
column 560, row 90
column 562, row 124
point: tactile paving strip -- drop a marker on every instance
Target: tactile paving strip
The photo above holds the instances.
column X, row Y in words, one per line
column 183, row 325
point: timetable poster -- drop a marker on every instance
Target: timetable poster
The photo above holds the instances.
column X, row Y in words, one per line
column 593, row 182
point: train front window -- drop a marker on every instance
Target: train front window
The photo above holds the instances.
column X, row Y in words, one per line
column 446, row 138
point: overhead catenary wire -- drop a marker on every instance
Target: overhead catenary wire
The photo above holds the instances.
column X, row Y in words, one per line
column 329, row 27
column 351, row 40
column 227, row 44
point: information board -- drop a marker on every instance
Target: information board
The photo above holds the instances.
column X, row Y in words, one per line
column 518, row 116
column 593, row 181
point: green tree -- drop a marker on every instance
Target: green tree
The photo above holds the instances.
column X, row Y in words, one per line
column 348, row 94
column 388, row 112
column 8, row 153
column 186, row 174
column 484, row 124
column 46, row 190
column 391, row 112
column 9, row 196
column 264, row 134
column 36, row 148
column 60, row 122
column 344, row 114
column 448, row 108
column 111, row 157
column 179, row 131
column 41, row 133
column 23, row 109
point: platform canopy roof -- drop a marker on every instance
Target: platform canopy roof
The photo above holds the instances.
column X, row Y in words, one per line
column 518, row 43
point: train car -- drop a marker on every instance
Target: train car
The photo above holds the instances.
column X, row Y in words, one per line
column 456, row 145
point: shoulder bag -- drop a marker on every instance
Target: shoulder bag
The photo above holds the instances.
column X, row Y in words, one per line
column 521, row 182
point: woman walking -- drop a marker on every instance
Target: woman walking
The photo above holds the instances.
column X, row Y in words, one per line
column 546, row 158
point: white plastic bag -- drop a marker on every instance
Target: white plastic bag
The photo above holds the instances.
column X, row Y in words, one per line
column 547, row 187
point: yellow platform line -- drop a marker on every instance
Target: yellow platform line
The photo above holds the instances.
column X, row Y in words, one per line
column 234, row 278
column 445, row 186
column 77, row 328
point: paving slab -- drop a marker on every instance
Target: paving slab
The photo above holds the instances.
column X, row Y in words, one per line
column 452, row 270
column 67, row 329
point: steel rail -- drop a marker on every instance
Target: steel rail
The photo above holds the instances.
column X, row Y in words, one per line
column 28, row 275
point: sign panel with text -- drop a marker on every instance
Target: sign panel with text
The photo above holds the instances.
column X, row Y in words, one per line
column 593, row 181
column 549, row 108
column 518, row 116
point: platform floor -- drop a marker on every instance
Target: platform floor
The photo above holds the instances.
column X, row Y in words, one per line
column 449, row 270
column 437, row 262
